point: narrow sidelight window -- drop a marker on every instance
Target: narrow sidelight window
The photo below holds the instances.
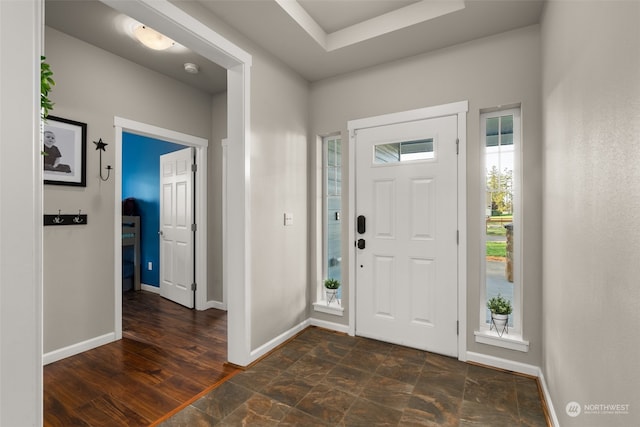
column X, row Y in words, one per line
column 332, row 209
column 502, row 222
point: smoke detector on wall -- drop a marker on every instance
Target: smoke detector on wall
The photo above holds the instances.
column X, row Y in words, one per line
column 191, row 68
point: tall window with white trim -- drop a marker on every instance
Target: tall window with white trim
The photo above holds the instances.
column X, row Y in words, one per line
column 502, row 219
column 332, row 209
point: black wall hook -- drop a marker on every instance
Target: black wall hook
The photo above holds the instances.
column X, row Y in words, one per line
column 100, row 146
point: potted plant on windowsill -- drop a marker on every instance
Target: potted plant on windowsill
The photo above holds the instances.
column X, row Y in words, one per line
column 500, row 308
column 331, row 290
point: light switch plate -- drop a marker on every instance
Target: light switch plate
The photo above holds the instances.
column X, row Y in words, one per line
column 288, row 218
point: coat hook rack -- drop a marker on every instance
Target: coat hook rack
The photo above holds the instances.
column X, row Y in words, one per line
column 66, row 219
column 100, row 146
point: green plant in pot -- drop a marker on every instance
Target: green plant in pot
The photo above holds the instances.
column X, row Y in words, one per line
column 331, row 290
column 500, row 308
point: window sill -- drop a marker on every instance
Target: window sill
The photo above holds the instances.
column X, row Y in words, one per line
column 333, row 308
column 511, row 341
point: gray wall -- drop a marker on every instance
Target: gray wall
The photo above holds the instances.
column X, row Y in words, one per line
column 591, row 96
column 279, row 109
column 93, row 86
column 214, row 198
column 493, row 71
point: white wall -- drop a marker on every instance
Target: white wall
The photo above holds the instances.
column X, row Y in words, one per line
column 497, row 70
column 93, row 86
column 591, row 95
column 20, row 215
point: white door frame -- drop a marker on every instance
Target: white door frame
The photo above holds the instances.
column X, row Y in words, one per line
column 21, row 212
column 188, row 31
column 456, row 108
column 200, row 213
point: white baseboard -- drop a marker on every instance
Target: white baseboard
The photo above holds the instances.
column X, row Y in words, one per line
column 150, row 288
column 215, row 304
column 547, row 398
column 498, row 362
column 280, row 339
column 72, row 350
column 329, row 325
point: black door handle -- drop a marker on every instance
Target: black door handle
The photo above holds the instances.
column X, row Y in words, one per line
column 361, row 244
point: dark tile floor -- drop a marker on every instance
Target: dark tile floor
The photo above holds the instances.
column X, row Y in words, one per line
column 323, row 378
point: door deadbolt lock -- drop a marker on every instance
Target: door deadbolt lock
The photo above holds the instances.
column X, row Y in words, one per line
column 360, row 244
column 361, row 224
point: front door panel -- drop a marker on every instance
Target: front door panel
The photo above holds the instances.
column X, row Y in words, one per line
column 406, row 275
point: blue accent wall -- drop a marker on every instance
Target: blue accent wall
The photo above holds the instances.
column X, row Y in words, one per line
column 141, row 180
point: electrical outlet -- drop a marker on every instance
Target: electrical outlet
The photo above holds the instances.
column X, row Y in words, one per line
column 149, row 266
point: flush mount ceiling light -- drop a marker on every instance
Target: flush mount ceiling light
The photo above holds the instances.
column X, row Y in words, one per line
column 151, row 38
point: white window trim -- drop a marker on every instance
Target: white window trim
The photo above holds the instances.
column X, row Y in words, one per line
column 333, row 307
column 321, row 305
column 514, row 339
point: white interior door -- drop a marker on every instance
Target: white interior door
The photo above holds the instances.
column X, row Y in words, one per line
column 406, row 189
column 176, row 232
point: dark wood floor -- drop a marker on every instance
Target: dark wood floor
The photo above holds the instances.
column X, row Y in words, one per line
column 167, row 357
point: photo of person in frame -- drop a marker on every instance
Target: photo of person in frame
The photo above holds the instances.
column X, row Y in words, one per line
column 53, row 156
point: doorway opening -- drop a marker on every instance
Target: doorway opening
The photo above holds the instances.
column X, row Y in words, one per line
column 147, row 251
column 200, row 146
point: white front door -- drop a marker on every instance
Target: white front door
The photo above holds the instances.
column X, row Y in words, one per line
column 176, row 221
column 406, row 260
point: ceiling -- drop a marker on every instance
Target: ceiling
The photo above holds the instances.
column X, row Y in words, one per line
column 316, row 38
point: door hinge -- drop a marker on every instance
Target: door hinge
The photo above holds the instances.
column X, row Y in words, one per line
column 193, row 286
column 194, row 168
column 457, row 145
column 457, row 327
column 194, row 227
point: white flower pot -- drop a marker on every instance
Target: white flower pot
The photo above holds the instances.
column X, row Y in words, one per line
column 332, row 295
column 499, row 322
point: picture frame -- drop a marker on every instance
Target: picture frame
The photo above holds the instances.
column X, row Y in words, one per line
column 65, row 152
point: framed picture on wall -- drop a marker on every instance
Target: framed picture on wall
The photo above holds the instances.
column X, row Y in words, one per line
column 65, row 152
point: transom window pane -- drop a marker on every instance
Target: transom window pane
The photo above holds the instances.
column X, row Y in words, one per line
column 404, row 151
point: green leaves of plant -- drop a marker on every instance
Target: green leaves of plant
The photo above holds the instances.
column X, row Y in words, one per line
column 499, row 305
column 331, row 284
column 46, row 82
